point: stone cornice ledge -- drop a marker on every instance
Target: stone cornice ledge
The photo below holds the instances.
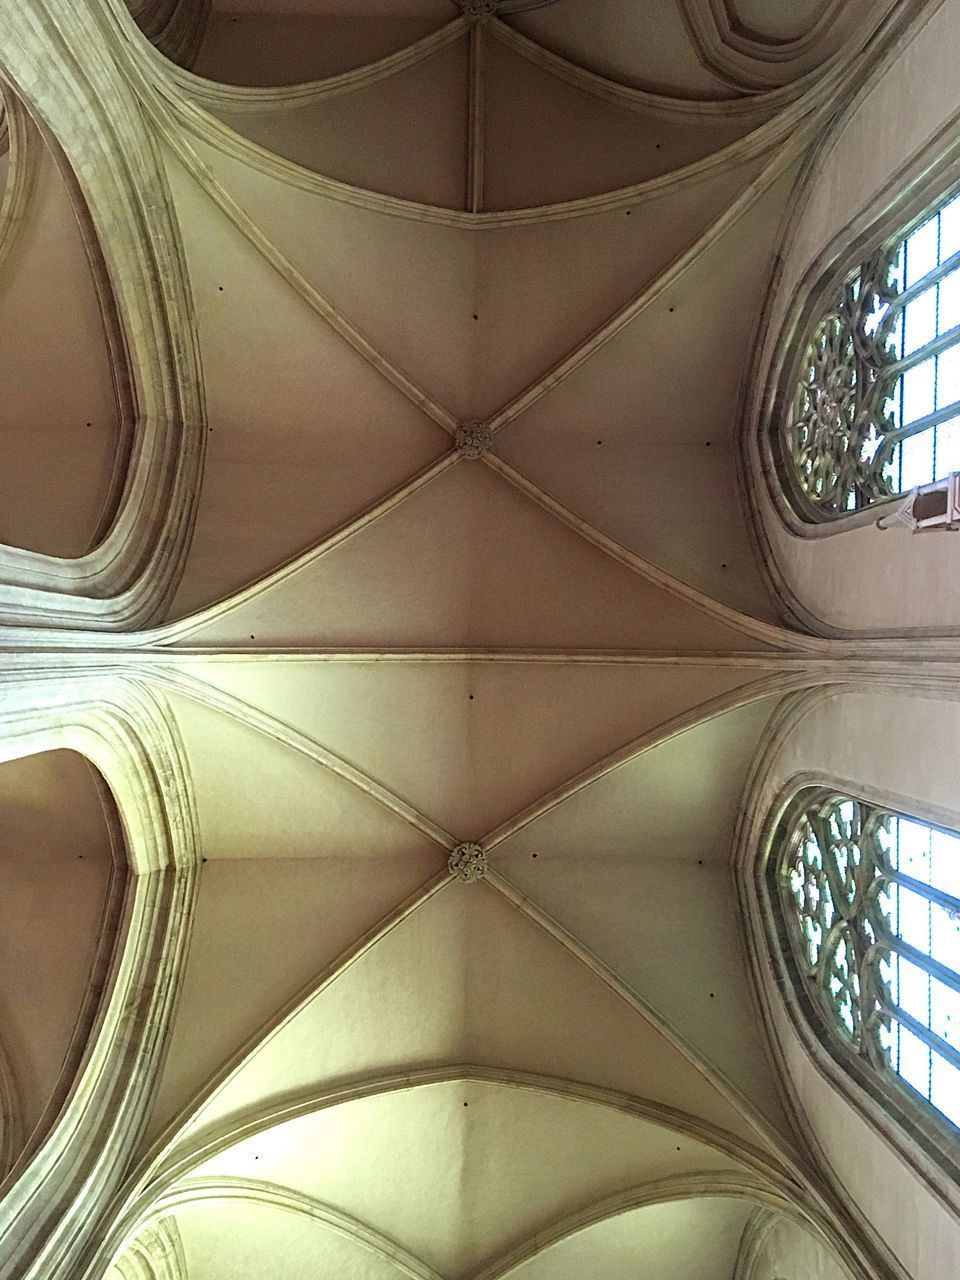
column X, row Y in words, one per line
column 67, row 60
column 54, row 1201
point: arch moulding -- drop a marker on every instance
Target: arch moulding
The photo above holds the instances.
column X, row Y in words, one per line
column 80, row 87
column 62, row 1186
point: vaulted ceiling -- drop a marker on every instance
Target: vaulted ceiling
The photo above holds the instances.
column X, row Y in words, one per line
column 469, row 299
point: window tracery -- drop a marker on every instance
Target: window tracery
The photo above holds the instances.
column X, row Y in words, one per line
column 876, row 408
column 871, row 905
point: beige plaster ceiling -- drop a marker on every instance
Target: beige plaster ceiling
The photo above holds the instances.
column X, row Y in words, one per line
column 558, row 223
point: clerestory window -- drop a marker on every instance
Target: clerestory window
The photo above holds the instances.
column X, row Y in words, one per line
column 876, row 406
column 870, row 903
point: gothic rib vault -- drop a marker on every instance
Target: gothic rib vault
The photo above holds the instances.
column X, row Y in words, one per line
column 385, row 554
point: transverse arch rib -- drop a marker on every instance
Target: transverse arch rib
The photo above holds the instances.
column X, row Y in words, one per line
column 196, row 1192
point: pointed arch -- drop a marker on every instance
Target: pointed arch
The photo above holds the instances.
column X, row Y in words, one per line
column 71, row 1174
column 89, row 105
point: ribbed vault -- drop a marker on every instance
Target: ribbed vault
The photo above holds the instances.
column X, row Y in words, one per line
column 435, row 538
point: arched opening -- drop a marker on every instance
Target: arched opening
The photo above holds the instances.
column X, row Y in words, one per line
column 865, row 900
column 63, row 870
column 67, row 413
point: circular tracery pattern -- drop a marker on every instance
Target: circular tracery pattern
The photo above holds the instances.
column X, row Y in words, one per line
column 825, row 412
column 832, row 934
column 811, row 892
column 839, row 436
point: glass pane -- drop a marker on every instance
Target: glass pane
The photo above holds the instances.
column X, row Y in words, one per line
column 916, row 460
column 945, row 936
column 950, row 229
column 920, row 321
column 925, row 854
column 945, row 1088
column 918, row 391
column 914, row 924
column 915, row 991
column 950, row 301
column 913, row 1061
column 948, row 377
column 945, row 1012
column 948, row 447
column 921, row 251
column 910, row 848
column 945, row 862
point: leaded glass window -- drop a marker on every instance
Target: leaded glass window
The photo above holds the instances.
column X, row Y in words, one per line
column 871, row 905
column 876, row 410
